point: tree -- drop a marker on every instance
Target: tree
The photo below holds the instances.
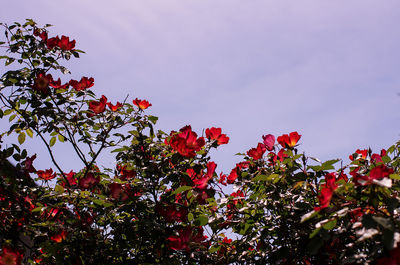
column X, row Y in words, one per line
column 163, row 202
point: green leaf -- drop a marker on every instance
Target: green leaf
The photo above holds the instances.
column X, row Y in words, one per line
column 107, row 204
column 35, row 63
column 9, row 151
column 315, row 168
column 16, row 157
column 53, row 140
column 181, row 189
column 190, row 217
column 395, row 176
column 37, row 209
column 59, row 188
column 201, row 220
column 244, row 229
column 330, row 225
column 9, row 61
column 153, row 119
column 98, row 202
column 214, row 249
column 12, row 117
column 21, row 138
column 315, row 232
column 328, row 165
column 29, row 132
column 7, row 112
column 391, row 149
column 61, row 138
column 260, row 177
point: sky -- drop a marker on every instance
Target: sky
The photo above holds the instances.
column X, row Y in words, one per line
column 327, row 69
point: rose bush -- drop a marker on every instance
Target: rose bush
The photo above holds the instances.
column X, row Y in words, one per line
column 163, row 201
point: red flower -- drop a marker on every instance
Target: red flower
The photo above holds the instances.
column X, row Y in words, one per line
column 237, row 194
column 359, row 154
column 327, row 190
column 114, row 107
column 97, row 107
column 211, row 166
column 28, row 164
column 224, row 246
column 269, row 141
column 222, row 178
column 57, row 84
column 215, row 134
column 342, row 176
column 257, row 153
column 46, row 175
column 282, row 155
column 125, row 173
column 186, row 236
column 42, row 35
column 185, row 142
column 226, row 240
column 182, row 241
column 380, row 172
column 376, row 158
column 141, row 104
column 289, row 141
column 52, row 42
column 243, row 164
column 383, row 152
column 59, row 237
column 65, row 44
column 10, row 257
column 89, row 181
column 232, row 176
column 172, row 213
column 201, row 181
column 72, row 180
column 41, row 83
column 119, row 191
column 83, row 84
column 377, row 173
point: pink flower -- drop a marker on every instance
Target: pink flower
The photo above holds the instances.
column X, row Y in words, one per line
column 269, row 141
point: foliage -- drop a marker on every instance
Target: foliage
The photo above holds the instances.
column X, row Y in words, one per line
column 163, row 202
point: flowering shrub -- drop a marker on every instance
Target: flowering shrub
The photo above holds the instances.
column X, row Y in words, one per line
column 163, row 201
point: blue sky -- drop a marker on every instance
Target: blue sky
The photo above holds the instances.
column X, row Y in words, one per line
column 327, row 69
